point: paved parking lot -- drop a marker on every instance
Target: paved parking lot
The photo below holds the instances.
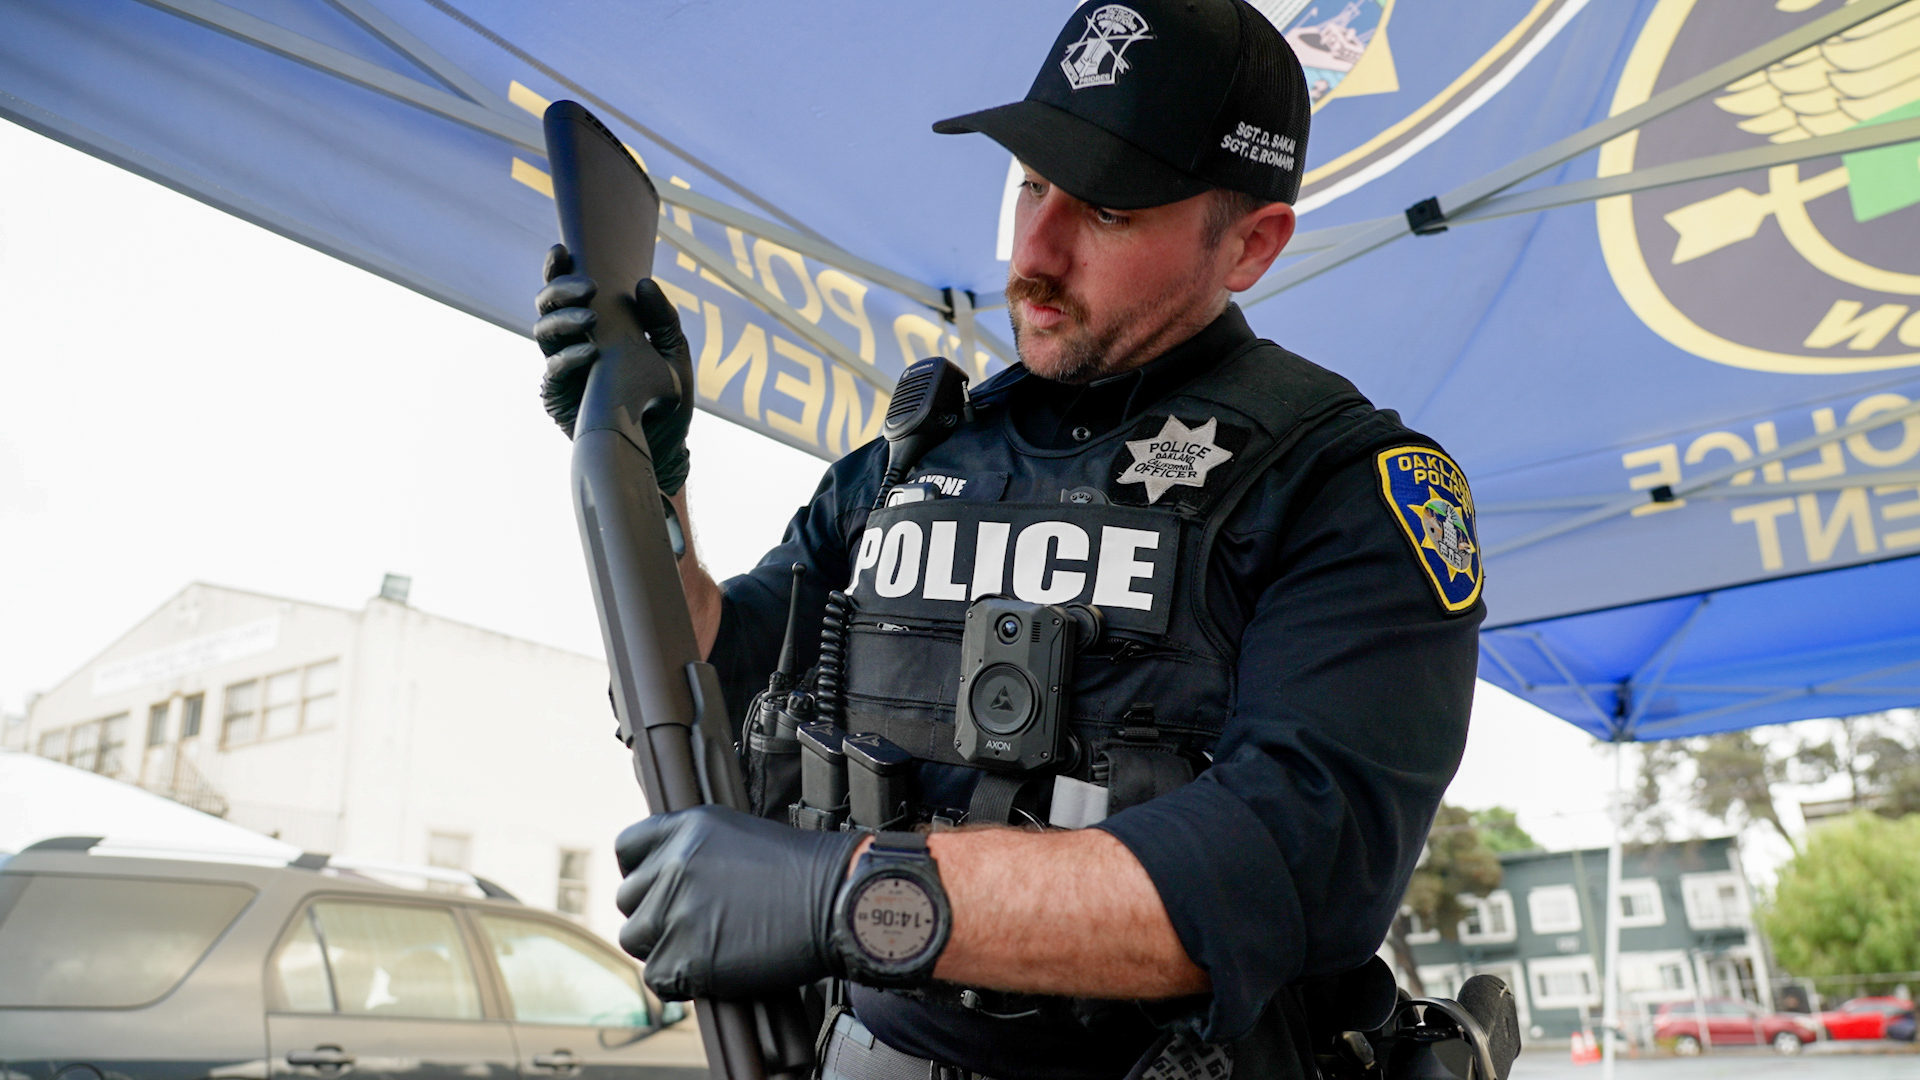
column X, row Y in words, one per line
column 1858, row 1062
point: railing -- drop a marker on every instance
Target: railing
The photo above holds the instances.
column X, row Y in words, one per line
column 175, row 776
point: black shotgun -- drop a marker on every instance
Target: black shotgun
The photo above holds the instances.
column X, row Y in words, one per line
column 666, row 697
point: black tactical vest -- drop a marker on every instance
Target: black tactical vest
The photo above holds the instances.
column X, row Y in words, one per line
column 1125, row 522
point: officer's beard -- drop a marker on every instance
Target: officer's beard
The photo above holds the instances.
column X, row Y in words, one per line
column 1084, row 349
column 1088, row 351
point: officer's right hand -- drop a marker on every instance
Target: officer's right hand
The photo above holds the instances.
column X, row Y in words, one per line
column 565, row 335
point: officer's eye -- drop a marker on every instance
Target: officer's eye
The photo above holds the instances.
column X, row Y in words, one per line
column 1109, row 217
column 1035, row 188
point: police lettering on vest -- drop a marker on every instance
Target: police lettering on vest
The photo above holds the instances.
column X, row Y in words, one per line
column 928, row 561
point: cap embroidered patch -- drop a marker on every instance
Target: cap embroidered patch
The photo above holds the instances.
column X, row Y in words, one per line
column 1100, row 56
column 1179, row 456
column 1428, row 495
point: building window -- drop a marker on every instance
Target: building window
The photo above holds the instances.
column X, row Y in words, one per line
column 1418, row 932
column 571, row 899
column 190, row 709
column 83, row 746
column 1713, row 901
column 1640, row 903
column 241, row 722
column 157, row 722
column 1554, row 909
column 111, row 758
column 53, row 744
column 1673, row 977
column 323, row 683
column 284, row 703
column 1564, row 982
column 1489, row 919
column 282, row 713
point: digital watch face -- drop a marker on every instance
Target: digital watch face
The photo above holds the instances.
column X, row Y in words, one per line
column 893, row 919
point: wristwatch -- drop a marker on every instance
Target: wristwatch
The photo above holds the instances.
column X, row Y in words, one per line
column 892, row 918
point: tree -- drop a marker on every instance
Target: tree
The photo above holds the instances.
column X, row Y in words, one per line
column 1735, row 772
column 1732, row 776
column 1457, row 862
column 1878, row 754
column 1500, row 830
column 1850, row 903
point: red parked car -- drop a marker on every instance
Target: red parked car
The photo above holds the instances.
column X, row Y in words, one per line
column 1865, row 1017
column 1730, row 1022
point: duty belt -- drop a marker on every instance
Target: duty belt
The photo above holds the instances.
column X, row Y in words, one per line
column 850, row 1052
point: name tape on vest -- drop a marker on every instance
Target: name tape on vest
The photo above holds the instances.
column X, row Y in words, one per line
column 930, row 560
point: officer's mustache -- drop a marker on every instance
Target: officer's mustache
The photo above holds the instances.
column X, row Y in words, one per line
column 1047, row 291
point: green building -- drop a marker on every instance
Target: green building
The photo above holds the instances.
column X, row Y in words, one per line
column 1684, row 929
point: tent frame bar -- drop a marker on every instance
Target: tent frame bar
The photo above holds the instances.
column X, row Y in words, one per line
column 1676, row 492
column 1665, row 654
column 1470, row 195
column 381, row 25
column 1869, row 137
column 1546, row 650
column 490, row 114
column 325, row 58
column 1899, row 478
column 786, row 316
column 1834, row 688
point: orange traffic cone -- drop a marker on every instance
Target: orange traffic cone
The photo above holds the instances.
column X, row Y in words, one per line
column 1586, row 1048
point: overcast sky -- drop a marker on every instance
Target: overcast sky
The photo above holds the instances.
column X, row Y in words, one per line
column 186, row 397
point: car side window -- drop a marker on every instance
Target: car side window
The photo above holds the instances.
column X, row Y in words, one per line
column 300, row 969
column 558, row 976
column 371, row 959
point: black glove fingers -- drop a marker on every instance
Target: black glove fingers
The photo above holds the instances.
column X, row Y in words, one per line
column 659, row 318
column 639, row 935
column 559, row 261
column 558, row 329
column 569, row 290
column 563, row 365
column 639, row 839
column 669, row 979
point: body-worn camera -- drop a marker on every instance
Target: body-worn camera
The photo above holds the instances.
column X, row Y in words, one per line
column 1016, row 669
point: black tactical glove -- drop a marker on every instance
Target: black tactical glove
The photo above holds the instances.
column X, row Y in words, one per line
column 725, row 905
column 565, row 334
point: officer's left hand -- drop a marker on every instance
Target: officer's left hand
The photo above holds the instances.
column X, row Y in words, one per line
column 725, row 905
column 565, row 335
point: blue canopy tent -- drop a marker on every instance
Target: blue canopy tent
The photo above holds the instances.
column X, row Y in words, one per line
column 1620, row 281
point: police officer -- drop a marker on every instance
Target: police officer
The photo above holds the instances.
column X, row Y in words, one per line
column 1278, row 693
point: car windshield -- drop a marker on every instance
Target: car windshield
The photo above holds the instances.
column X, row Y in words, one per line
column 99, row 942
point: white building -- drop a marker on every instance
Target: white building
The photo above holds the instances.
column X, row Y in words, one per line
column 382, row 734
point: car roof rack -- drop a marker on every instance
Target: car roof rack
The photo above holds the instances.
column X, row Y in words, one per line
column 64, row 843
column 313, row 860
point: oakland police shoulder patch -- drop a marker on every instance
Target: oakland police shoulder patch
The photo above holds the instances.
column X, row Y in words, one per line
column 1428, row 495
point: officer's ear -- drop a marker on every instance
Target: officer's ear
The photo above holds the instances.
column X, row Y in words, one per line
column 1262, row 234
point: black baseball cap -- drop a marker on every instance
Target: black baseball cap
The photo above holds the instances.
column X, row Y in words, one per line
column 1153, row 101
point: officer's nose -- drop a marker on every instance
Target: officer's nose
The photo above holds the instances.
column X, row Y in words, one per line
column 1043, row 233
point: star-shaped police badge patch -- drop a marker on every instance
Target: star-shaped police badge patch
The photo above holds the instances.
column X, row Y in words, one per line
column 1179, row 456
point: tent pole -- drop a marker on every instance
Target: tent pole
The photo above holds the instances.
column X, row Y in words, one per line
column 1610, row 1002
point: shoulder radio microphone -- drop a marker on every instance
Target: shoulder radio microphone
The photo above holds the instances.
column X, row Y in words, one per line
column 929, row 402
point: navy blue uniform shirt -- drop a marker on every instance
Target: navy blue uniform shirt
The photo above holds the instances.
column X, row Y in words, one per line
column 1289, row 856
